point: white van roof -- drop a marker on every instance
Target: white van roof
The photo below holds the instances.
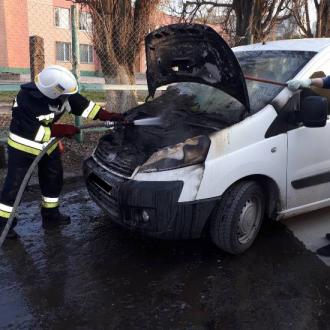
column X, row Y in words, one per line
column 307, row 44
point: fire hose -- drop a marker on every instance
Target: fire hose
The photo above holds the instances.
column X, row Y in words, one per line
column 266, row 81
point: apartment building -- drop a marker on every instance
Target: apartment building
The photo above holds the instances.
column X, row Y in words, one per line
column 51, row 20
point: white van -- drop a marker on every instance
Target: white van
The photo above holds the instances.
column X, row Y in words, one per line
column 230, row 152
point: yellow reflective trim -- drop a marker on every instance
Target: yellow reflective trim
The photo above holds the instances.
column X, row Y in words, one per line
column 24, row 148
column 52, row 148
column 28, row 149
column 49, row 205
column 94, row 112
column 46, row 137
column 4, row 214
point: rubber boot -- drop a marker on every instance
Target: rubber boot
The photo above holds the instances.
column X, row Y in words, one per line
column 12, row 233
column 53, row 218
column 324, row 251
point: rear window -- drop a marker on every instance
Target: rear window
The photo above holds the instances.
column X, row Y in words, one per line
column 276, row 65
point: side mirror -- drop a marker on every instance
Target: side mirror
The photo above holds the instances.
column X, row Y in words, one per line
column 314, row 111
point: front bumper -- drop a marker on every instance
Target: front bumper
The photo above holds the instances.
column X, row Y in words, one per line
column 148, row 207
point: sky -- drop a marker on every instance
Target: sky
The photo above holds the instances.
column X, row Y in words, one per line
column 311, row 6
column 312, row 11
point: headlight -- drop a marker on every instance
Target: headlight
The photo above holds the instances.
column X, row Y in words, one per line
column 190, row 152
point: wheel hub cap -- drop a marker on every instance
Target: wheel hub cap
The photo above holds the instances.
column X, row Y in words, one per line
column 249, row 220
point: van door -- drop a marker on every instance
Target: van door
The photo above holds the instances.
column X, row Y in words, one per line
column 308, row 173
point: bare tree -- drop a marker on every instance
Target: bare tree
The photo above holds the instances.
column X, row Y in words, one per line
column 245, row 21
column 119, row 27
column 301, row 10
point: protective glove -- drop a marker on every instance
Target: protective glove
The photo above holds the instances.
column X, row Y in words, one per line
column 62, row 130
column 295, row 84
column 110, row 116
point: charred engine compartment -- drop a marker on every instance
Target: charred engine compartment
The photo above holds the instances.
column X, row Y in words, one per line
column 182, row 117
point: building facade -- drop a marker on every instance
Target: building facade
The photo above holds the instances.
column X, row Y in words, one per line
column 51, row 20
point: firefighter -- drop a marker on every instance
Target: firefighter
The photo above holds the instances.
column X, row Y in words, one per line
column 293, row 85
column 36, row 108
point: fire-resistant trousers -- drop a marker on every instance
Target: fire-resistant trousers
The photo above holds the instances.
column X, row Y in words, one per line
column 50, row 173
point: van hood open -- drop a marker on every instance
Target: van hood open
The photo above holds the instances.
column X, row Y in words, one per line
column 193, row 53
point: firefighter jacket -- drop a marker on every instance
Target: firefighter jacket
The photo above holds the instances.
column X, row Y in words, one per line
column 33, row 115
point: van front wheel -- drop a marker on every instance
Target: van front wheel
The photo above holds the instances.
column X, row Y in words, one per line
column 236, row 221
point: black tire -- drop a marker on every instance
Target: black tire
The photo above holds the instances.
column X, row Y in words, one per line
column 236, row 221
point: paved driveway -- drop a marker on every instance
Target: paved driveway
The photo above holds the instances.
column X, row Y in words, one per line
column 95, row 275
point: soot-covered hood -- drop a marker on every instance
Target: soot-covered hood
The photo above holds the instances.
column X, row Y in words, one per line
column 193, row 53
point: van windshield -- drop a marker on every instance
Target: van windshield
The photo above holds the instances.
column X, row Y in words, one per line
column 275, row 65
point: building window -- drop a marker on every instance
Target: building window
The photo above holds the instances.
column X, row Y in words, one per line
column 63, row 51
column 85, row 21
column 62, row 17
column 86, row 54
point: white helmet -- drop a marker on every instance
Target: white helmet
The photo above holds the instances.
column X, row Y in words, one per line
column 55, row 81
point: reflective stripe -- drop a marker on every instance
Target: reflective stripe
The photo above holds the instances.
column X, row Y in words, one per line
column 15, row 105
column 4, row 214
column 88, row 110
column 40, row 134
column 46, row 117
column 52, row 148
column 6, row 208
column 50, row 199
column 43, row 134
column 47, row 134
column 94, row 112
column 49, row 203
column 26, row 142
column 5, row 211
column 24, row 148
column 29, row 146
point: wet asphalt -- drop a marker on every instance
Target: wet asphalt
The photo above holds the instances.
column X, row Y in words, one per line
column 93, row 274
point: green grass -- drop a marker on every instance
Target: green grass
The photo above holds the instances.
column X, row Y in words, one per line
column 7, row 97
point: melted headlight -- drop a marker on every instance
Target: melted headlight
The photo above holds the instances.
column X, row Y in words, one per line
column 190, row 152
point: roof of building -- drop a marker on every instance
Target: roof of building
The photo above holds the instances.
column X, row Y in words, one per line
column 315, row 44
